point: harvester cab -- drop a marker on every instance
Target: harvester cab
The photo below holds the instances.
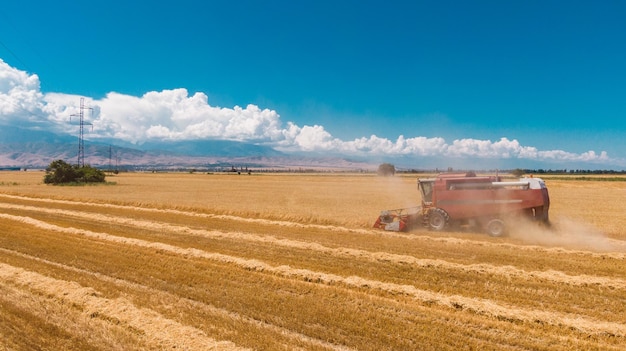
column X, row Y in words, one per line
column 470, row 200
column 425, row 186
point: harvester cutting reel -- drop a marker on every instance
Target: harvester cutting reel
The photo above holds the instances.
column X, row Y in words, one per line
column 399, row 220
column 403, row 219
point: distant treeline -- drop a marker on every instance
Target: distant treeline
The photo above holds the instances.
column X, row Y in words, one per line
column 257, row 168
column 573, row 171
column 519, row 171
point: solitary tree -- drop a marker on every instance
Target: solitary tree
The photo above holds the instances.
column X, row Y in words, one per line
column 386, row 169
column 59, row 172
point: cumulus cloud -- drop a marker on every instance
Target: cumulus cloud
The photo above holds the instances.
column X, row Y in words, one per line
column 503, row 148
column 21, row 101
column 171, row 115
column 177, row 115
column 589, row 156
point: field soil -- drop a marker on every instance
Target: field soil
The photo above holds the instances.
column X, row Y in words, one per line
column 191, row 261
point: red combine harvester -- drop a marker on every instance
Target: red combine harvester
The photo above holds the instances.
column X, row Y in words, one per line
column 470, row 200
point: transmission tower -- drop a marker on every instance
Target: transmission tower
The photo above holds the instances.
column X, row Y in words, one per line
column 82, row 123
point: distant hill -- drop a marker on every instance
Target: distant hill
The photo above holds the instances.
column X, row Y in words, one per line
column 16, row 135
column 37, row 149
column 220, row 148
column 23, row 148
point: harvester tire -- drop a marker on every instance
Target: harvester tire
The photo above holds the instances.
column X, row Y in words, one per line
column 438, row 219
column 496, row 227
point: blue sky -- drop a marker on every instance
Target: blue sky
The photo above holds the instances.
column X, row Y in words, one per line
column 459, row 76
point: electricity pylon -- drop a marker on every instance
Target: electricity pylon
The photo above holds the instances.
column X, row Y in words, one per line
column 82, row 123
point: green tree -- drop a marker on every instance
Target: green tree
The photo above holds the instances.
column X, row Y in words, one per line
column 386, row 169
column 91, row 175
column 60, row 172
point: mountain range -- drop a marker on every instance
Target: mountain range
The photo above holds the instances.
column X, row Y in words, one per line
column 34, row 149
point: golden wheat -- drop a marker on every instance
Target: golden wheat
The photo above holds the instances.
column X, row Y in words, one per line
column 283, row 262
column 507, row 271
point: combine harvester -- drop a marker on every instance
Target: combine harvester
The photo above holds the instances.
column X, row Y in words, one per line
column 469, row 200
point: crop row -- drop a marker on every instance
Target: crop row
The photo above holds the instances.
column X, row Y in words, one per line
column 228, row 282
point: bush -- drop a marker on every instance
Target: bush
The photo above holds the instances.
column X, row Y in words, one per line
column 60, row 172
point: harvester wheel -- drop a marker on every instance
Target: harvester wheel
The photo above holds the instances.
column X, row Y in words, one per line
column 495, row 227
column 438, row 219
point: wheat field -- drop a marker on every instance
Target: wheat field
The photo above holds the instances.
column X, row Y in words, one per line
column 183, row 261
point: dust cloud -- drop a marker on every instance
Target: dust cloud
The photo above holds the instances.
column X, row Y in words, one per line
column 399, row 192
column 566, row 233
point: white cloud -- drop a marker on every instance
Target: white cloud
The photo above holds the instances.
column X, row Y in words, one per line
column 20, row 97
column 589, row 156
column 418, row 146
column 315, row 138
column 178, row 116
column 175, row 115
column 503, row 148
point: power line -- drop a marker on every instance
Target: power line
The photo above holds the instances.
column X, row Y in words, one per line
column 14, row 55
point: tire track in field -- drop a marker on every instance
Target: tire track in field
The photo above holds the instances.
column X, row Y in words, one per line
column 199, row 305
column 40, row 311
column 617, row 252
column 479, row 306
column 159, row 332
column 280, row 223
column 619, row 246
column 506, row 271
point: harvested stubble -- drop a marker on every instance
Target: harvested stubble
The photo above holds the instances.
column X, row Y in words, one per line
column 272, row 262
